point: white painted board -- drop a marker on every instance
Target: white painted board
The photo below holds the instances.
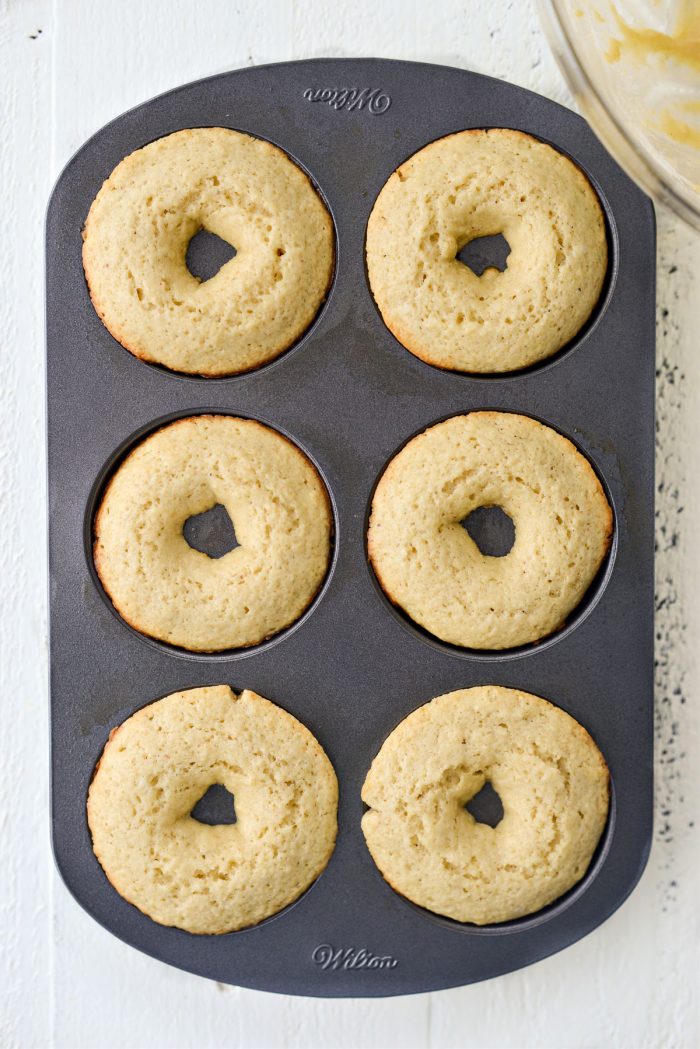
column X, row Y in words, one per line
column 68, row 67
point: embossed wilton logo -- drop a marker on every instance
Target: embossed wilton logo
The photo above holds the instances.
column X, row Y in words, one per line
column 328, row 957
column 349, row 98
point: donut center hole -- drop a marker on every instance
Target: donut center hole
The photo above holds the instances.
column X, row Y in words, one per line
column 486, row 806
column 491, row 529
column 211, row 532
column 206, row 254
column 484, row 253
column 215, row 807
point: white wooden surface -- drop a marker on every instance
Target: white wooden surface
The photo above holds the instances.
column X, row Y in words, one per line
column 68, row 67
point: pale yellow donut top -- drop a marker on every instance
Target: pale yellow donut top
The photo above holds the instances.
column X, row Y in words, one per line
column 244, row 190
column 212, row 879
column 476, row 184
column 546, row 769
column 430, row 566
column 280, row 512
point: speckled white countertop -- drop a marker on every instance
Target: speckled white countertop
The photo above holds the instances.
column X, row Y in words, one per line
column 70, row 66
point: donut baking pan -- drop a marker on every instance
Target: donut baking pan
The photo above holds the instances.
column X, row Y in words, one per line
column 350, row 396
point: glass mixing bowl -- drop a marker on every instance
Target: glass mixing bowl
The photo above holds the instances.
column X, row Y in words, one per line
column 634, row 69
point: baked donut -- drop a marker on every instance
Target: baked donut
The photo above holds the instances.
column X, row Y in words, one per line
column 212, row 879
column 429, row 566
column 476, row 184
column 281, row 514
column 552, row 782
column 247, row 192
